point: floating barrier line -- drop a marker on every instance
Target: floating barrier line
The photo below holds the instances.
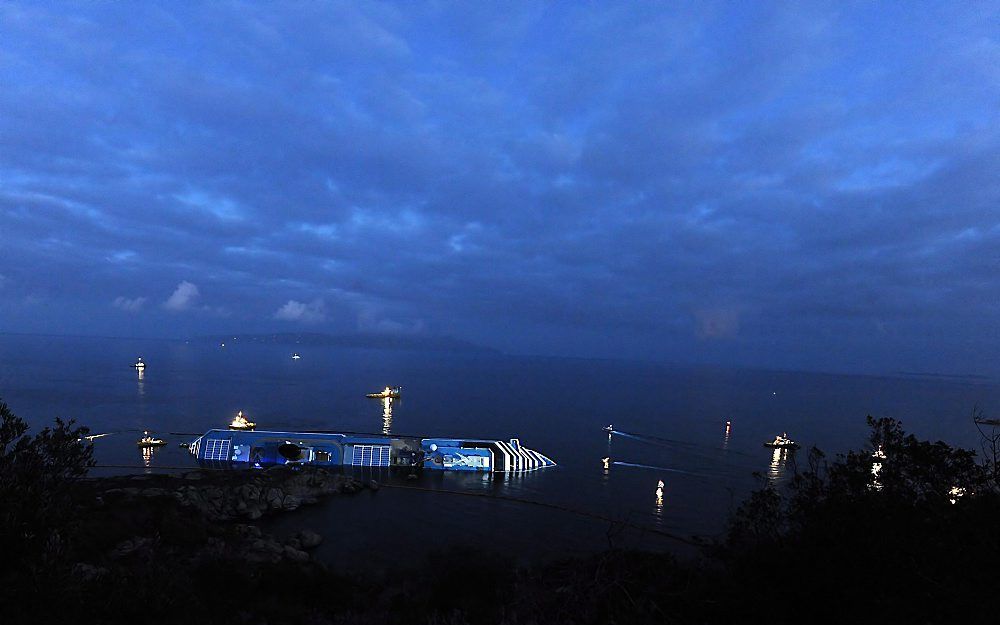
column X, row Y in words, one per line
column 649, row 466
column 553, row 506
column 656, row 440
column 643, row 437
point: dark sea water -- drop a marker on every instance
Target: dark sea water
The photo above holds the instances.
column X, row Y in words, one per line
column 672, row 421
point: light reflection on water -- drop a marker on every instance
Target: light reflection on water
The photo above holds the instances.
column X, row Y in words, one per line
column 779, row 461
column 658, row 504
column 387, row 415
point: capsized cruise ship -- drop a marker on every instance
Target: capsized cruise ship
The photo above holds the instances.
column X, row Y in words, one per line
column 257, row 450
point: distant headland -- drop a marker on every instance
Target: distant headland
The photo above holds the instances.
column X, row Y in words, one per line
column 361, row 341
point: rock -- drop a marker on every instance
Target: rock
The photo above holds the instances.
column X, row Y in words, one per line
column 308, row 539
column 295, row 555
column 265, row 549
column 373, row 485
column 129, row 547
column 290, row 502
column 88, row 572
column 154, row 492
column 273, row 497
column 247, row 531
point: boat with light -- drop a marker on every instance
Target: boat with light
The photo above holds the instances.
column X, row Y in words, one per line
column 240, row 422
column 782, row 442
column 139, row 364
column 389, row 392
column 148, row 441
column 296, row 356
column 255, row 449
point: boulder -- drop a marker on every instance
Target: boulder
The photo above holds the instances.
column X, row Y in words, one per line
column 88, row 572
column 130, row 547
column 295, row 555
column 308, row 539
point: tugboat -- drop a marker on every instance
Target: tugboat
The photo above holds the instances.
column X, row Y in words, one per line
column 782, row 442
column 148, row 441
column 296, row 356
column 139, row 365
column 390, row 392
column 240, row 422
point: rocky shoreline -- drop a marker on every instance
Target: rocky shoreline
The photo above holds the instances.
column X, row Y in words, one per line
column 198, row 516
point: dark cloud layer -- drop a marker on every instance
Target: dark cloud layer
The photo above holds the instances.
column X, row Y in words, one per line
column 792, row 185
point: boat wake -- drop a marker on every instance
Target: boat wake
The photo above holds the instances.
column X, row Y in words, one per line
column 668, row 469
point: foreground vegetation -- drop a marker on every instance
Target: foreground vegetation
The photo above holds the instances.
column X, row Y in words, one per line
column 918, row 543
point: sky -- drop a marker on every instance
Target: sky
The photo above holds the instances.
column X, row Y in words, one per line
column 787, row 185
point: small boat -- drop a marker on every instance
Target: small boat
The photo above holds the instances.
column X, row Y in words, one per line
column 240, row 422
column 391, row 392
column 139, row 364
column 148, row 441
column 296, row 356
column 782, row 442
column 609, row 428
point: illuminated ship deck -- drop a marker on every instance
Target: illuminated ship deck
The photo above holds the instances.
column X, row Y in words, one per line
column 259, row 449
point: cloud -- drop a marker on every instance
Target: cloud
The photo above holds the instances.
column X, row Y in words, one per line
column 183, row 297
column 370, row 320
column 577, row 180
column 129, row 305
column 313, row 312
column 717, row 323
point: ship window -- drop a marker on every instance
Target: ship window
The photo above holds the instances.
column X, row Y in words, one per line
column 290, row 451
column 322, row 456
column 371, row 456
column 217, row 449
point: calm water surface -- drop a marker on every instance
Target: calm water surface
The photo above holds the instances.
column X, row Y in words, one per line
column 672, row 421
